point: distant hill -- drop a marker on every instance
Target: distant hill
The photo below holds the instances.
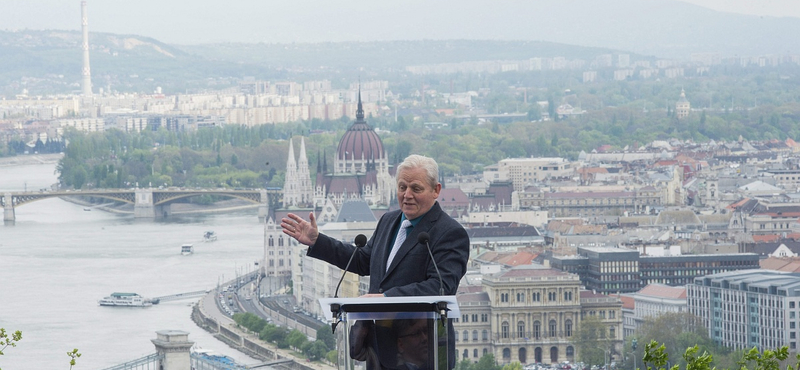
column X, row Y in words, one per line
column 50, row 61
column 388, row 54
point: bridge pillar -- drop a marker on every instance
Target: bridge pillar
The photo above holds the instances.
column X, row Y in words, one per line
column 173, row 346
column 8, row 209
column 143, row 204
column 263, row 207
column 163, row 211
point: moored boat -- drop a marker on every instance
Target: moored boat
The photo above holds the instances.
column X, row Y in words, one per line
column 187, row 249
column 125, row 300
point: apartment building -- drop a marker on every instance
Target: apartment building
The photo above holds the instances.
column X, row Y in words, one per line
column 746, row 309
column 521, row 171
column 590, row 203
column 620, row 270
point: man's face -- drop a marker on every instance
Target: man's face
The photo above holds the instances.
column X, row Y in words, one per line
column 414, row 194
column 412, row 343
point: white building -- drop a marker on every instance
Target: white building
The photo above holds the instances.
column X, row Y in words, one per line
column 521, row 171
column 652, row 301
column 313, row 279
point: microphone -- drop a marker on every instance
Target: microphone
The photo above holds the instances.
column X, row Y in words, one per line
column 424, row 238
column 360, row 241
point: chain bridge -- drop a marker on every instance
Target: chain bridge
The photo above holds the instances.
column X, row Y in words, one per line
column 147, row 202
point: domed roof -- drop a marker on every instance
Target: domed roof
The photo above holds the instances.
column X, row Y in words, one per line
column 360, row 140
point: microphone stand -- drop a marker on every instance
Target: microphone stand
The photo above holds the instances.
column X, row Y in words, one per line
column 359, row 242
column 424, row 238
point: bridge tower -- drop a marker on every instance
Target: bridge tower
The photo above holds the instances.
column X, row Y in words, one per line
column 173, row 347
column 143, row 207
column 8, row 208
column 263, row 207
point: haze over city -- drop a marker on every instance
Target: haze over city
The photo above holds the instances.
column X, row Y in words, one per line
column 206, row 21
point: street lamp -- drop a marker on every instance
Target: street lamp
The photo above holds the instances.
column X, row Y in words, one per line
column 634, row 342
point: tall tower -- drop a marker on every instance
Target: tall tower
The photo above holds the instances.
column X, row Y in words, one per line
column 86, row 85
column 304, row 176
column 682, row 107
column 291, row 188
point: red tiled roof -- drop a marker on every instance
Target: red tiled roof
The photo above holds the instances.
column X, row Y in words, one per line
column 664, row 291
column 473, row 297
column 464, row 289
column 766, row 238
column 519, row 258
column 591, row 294
column 628, row 302
column 526, row 272
column 738, row 204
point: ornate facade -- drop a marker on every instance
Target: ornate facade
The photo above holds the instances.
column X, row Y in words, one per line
column 530, row 314
column 277, row 250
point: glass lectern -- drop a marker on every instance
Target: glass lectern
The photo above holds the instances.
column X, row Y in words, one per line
column 397, row 333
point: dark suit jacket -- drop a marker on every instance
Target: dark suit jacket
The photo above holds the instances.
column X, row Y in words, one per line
column 411, row 273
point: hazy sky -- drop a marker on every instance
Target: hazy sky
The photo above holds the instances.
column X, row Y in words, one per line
column 203, row 21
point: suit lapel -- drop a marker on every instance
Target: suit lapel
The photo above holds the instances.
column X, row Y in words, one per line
column 411, row 240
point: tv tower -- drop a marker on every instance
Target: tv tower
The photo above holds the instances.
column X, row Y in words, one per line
column 86, row 85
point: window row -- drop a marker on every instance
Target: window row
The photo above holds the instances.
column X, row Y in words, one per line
column 537, row 297
column 466, row 317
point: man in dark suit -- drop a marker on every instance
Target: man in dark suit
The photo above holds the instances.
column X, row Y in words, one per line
column 405, row 269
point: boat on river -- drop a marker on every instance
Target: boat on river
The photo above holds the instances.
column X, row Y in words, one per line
column 210, row 236
column 125, row 300
column 187, row 249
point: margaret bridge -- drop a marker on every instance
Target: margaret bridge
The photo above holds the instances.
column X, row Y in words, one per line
column 147, row 202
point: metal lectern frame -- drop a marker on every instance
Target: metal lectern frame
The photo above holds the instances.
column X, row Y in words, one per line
column 385, row 319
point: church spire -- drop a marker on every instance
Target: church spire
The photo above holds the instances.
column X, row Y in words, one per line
column 360, row 110
column 290, row 183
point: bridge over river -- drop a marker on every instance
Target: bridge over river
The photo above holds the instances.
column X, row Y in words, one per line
column 147, row 202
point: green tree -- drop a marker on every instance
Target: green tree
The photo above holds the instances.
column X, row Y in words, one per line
column 591, row 341
column 676, row 332
column 73, row 356
column 513, row 366
column 272, row 333
column 296, row 339
column 534, row 113
column 79, row 177
column 324, row 334
column 315, row 350
column 464, row 364
column 7, row 340
column 11, row 340
column 486, row 362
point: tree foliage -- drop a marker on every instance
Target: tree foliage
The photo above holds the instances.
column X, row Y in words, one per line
column 592, row 340
column 676, row 332
column 11, row 340
column 296, row 339
column 8, row 340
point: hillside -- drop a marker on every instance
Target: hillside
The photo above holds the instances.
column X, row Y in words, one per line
column 50, row 61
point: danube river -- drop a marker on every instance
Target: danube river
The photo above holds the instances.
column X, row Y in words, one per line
column 58, row 259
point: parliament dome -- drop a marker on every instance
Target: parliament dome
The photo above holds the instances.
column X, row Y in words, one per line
column 360, row 140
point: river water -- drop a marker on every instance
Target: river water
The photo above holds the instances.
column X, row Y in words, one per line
column 58, row 259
